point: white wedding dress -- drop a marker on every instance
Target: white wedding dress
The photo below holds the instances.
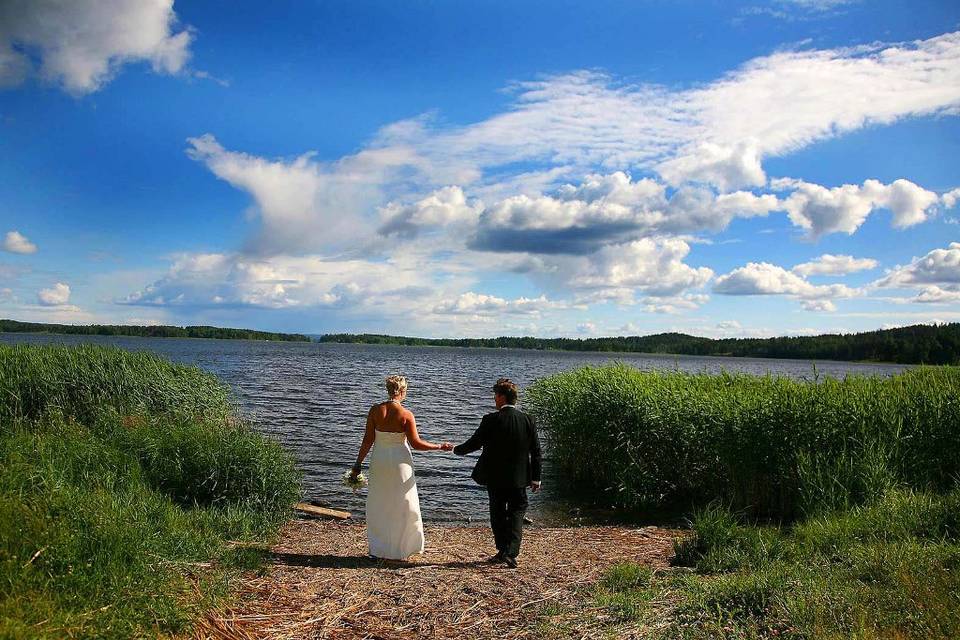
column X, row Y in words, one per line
column 394, row 526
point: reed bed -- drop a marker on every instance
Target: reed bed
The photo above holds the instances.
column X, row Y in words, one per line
column 820, row 509
column 122, row 476
column 776, row 446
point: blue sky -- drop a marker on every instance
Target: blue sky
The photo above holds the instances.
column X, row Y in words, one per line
column 482, row 168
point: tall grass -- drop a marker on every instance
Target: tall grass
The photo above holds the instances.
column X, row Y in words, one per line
column 780, row 447
column 121, row 477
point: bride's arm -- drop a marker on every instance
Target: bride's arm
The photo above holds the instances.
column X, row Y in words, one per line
column 368, row 437
column 410, row 427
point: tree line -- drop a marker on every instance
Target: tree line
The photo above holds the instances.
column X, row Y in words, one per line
column 152, row 331
column 917, row 344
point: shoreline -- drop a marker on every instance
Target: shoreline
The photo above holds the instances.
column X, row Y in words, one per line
column 647, row 354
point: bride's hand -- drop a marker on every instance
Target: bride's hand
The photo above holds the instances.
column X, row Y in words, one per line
column 446, row 446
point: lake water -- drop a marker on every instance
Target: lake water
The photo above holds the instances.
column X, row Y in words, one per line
column 314, row 398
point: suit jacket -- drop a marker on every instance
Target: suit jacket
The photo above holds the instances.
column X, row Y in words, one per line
column 511, row 449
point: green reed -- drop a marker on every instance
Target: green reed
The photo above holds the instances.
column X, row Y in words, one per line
column 121, row 477
column 777, row 446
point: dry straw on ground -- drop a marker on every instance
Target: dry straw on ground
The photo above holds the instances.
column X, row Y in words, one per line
column 319, row 583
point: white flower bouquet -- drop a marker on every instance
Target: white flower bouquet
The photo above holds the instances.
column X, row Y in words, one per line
column 355, row 482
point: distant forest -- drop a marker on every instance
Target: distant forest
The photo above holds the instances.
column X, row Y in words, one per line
column 157, row 331
column 918, row 344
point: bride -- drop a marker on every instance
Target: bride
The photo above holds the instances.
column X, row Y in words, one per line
column 394, row 527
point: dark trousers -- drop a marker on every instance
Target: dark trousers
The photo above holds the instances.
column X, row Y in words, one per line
column 507, row 507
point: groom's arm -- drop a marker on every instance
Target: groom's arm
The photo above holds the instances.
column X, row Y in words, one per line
column 476, row 441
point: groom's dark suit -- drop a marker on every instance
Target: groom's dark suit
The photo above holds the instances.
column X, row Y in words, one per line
column 509, row 462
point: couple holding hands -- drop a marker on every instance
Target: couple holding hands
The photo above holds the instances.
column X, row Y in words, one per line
column 510, row 461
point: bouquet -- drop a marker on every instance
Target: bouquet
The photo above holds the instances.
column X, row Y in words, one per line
column 354, row 482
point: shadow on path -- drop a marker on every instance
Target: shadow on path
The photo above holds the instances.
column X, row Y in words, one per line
column 327, row 561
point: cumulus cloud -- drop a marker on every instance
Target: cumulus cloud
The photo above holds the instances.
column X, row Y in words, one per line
column 81, row 44
column 304, row 204
column 56, row 296
column 833, row 265
column 675, row 304
column 577, row 219
column 938, row 267
column 652, row 266
column 479, row 304
column 763, row 278
column 279, row 282
column 822, row 210
column 442, row 208
column 950, row 198
column 16, row 242
column 725, row 167
column 934, row 294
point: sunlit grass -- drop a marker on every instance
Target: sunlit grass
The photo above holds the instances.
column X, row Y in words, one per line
column 121, row 477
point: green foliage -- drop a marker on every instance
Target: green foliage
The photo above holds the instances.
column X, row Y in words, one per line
column 84, row 381
column 121, row 477
column 919, row 344
column 151, row 331
column 886, row 569
column 772, row 445
column 890, row 569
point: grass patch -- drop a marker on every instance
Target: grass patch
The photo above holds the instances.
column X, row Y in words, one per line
column 121, row 477
column 832, row 576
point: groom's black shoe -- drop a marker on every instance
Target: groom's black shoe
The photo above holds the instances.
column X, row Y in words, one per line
column 497, row 558
column 510, row 562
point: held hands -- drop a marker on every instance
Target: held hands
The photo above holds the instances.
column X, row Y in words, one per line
column 446, row 446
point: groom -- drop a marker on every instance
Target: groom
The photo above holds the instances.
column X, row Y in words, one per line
column 509, row 463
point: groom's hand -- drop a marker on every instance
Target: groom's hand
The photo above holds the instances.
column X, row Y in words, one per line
column 535, row 486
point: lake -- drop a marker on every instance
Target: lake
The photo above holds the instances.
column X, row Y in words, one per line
column 314, row 398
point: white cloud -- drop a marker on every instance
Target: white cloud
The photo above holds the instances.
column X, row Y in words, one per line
column 819, row 5
column 16, row 242
column 725, row 167
column 279, row 282
column 821, row 210
column 763, row 278
column 652, row 266
column 578, row 219
column 56, row 296
column 675, row 304
column 560, row 127
column 479, row 304
column 818, row 305
column 938, row 295
column 444, row 207
column 81, row 44
column 304, row 204
column 834, row 265
column 938, row 267
column 950, row 198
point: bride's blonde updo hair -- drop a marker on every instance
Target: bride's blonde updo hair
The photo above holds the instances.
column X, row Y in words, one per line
column 396, row 385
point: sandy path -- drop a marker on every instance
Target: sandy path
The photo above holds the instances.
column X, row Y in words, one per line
column 318, row 582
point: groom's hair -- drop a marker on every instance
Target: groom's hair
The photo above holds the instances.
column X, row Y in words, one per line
column 506, row 388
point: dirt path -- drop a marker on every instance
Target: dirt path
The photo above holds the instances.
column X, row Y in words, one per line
column 319, row 583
